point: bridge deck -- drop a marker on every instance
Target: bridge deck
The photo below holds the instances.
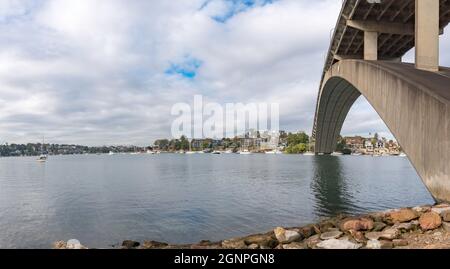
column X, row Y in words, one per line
column 349, row 42
column 437, row 83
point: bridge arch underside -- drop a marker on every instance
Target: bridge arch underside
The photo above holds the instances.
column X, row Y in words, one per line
column 414, row 104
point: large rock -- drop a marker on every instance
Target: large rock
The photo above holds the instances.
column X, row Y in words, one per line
column 358, row 236
column 264, row 240
column 74, row 244
column 400, row 242
column 386, row 244
column 236, row 243
column 373, row 235
column 362, row 224
column 295, row 245
column 379, row 226
column 446, row 226
column 331, row 235
column 286, row 236
column 154, row 245
column 390, row 234
column 60, row 245
column 129, row 244
column 338, row 244
column 406, row 226
column 402, row 215
column 308, row 231
column 312, row 241
column 445, row 215
column 440, row 208
column 373, row 244
column 430, row 221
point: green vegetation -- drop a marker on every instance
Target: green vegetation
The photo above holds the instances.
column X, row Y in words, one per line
column 297, row 143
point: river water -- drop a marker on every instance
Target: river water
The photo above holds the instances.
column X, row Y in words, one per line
column 102, row 200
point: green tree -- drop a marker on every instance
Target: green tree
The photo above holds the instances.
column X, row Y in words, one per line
column 296, row 149
column 298, row 138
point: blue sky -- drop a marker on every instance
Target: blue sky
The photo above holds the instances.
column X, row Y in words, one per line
column 109, row 71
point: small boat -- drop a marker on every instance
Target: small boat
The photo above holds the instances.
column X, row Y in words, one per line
column 245, row 152
column 190, row 152
column 228, row 151
column 402, row 155
column 274, row 152
column 150, row 152
column 216, row 152
column 309, row 154
column 111, row 153
column 337, row 153
column 42, row 158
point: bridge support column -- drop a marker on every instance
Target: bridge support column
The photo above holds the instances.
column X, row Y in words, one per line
column 370, row 46
column 427, row 35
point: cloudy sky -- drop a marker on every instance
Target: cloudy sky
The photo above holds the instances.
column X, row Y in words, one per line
column 100, row 72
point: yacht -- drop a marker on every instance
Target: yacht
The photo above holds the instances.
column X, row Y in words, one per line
column 43, row 157
column 245, row 152
column 274, row 152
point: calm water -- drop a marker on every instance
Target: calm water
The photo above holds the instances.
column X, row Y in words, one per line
column 103, row 200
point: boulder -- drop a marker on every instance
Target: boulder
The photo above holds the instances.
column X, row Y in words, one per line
column 406, row 226
column 400, row 242
column 445, row 215
column 373, row 244
column 74, row 244
column 373, row 235
column 331, row 235
column 430, row 221
column 312, row 241
column 236, row 243
column 379, row 226
column 440, row 208
column 307, row 231
column 295, row 245
column 286, row 236
column 402, row 215
column 386, row 244
column 261, row 240
column 356, row 224
column 358, row 236
column 60, row 245
column 390, row 234
column 338, row 244
column 130, row 244
column 446, row 226
column 154, row 245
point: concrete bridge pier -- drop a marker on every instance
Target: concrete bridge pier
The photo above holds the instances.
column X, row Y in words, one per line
column 427, row 35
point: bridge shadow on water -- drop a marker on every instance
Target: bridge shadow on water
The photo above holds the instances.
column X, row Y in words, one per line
column 330, row 188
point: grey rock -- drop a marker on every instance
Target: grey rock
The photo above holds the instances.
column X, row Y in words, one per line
column 338, row 244
column 331, row 235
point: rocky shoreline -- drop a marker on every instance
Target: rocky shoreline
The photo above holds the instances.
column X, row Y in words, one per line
column 422, row 227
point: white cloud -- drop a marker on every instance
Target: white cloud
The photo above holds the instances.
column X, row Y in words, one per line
column 94, row 72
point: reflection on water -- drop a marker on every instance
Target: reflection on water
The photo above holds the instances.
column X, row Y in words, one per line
column 103, row 200
column 330, row 187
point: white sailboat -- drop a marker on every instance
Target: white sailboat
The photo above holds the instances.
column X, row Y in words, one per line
column 43, row 157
